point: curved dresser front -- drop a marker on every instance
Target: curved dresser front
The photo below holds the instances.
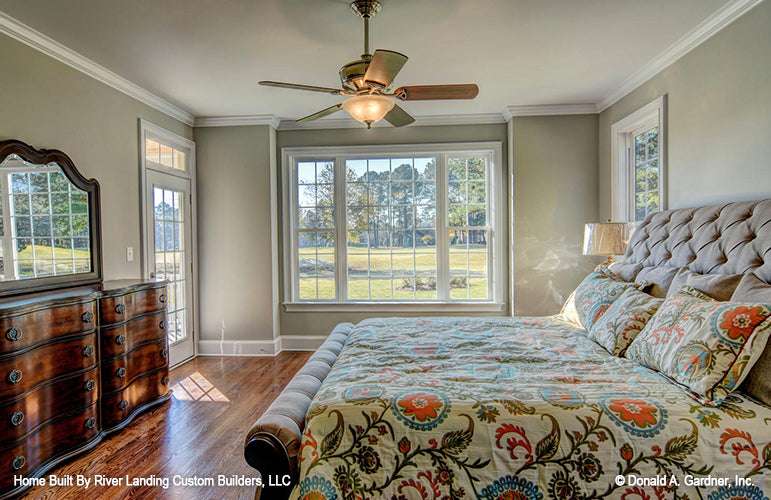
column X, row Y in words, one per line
column 75, row 365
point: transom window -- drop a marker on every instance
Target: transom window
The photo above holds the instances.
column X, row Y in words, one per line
column 396, row 224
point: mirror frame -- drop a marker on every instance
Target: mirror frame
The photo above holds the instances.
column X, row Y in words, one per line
column 91, row 187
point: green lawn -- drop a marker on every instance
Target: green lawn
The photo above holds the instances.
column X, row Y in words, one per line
column 62, row 260
column 380, row 263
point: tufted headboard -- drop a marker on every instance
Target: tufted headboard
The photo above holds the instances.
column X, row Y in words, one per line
column 734, row 238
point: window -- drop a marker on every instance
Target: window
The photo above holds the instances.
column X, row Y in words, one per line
column 393, row 224
column 43, row 223
column 639, row 166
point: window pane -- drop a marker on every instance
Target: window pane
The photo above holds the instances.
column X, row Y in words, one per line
column 646, row 173
column 382, row 215
column 152, row 151
column 316, row 236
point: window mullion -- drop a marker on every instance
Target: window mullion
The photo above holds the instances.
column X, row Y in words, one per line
column 442, row 231
column 341, row 236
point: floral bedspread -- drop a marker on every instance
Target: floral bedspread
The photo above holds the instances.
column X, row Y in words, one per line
column 518, row 408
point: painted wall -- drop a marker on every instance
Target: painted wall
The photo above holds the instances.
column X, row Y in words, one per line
column 719, row 118
column 234, row 232
column 49, row 105
column 555, row 194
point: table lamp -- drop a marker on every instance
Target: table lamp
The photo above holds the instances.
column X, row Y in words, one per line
column 607, row 238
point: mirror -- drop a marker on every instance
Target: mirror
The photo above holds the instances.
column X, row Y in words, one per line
column 49, row 221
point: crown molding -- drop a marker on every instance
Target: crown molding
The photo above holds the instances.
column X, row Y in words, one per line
column 698, row 35
column 510, row 112
column 38, row 41
column 237, row 121
column 420, row 121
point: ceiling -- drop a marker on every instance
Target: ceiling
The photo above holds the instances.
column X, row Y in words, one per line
column 206, row 56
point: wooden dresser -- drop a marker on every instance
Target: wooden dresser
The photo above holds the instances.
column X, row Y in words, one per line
column 75, row 365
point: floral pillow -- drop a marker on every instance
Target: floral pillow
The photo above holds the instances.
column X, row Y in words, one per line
column 624, row 320
column 596, row 293
column 706, row 345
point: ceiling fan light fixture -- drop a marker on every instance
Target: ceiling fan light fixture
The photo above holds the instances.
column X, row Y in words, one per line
column 369, row 108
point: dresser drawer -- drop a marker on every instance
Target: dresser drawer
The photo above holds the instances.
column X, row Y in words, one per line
column 56, row 438
column 121, row 339
column 25, row 415
column 19, row 331
column 119, row 372
column 120, row 308
column 119, row 406
column 20, row 373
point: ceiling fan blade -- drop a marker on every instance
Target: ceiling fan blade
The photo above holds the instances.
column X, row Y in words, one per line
column 320, row 114
column 428, row 92
column 384, row 67
column 398, row 117
column 297, row 86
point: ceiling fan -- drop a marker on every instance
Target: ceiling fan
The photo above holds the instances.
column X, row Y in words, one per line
column 367, row 83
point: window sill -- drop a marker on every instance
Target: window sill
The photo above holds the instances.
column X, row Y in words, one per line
column 407, row 307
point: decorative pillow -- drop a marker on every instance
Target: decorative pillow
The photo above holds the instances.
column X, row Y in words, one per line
column 626, row 271
column 596, row 293
column 659, row 278
column 706, row 345
column 758, row 381
column 624, row 320
column 717, row 286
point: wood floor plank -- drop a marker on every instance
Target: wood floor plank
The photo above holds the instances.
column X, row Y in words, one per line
column 198, row 433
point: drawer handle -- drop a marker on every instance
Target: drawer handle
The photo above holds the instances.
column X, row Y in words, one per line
column 120, row 339
column 120, row 309
column 19, row 462
column 123, row 405
column 88, row 351
column 87, row 317
column 90, row 423
column 162, row 298
column 120, row 372
column 90, row 385
column 165, row 380
column 17, row 418
column 162, row 324
column 14, row 377
column 13, row 334
column 163, row 353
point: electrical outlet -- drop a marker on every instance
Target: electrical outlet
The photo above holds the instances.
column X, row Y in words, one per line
column 130, row 254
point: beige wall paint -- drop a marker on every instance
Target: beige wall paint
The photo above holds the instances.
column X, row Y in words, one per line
column 234, row 232
column 555, row 194
column 719, row 117
column 49, row 105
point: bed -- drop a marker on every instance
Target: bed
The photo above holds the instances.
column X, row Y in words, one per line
column 529, row 408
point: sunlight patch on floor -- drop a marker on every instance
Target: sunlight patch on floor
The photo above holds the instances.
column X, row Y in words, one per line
column 197, row 388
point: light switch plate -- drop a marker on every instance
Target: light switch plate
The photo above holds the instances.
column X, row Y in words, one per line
column 130, row 254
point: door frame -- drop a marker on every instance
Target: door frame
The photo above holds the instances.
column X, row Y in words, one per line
column 151, row 131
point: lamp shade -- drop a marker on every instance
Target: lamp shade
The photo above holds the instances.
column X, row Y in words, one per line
column 607, row 238
column 368, row 108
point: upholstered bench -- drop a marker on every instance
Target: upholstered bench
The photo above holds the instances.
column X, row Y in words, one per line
column 273, row 442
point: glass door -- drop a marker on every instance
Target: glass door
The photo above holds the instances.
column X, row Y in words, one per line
column 169, row 255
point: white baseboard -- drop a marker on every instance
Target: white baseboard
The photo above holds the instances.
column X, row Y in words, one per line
column 260, row 347
column 239, row 347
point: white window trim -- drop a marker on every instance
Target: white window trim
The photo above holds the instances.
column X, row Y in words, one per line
column 151, row 131
column 621, row 179
column 496, row 303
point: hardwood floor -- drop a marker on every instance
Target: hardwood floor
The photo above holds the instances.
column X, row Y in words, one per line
column 199, row 432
